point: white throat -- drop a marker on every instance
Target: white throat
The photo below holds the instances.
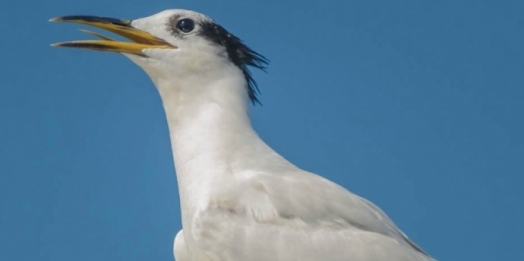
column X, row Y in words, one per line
column 211, row 135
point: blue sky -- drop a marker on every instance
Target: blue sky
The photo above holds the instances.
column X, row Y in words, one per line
column 415, row 105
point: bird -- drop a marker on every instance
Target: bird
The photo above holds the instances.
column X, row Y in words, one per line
column 240, row 200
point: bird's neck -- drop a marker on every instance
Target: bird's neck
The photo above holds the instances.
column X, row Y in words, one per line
column 212, row 138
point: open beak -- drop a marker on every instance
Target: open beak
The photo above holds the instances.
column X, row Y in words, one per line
column 140, row 39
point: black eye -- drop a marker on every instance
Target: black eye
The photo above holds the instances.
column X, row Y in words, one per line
column 186, row 25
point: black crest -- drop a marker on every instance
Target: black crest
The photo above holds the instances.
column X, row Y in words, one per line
column 239, row 53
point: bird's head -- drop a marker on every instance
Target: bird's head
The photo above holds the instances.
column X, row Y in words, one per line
column 175, row 45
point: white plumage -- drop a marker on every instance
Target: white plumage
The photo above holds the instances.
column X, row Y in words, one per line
column 240, row 200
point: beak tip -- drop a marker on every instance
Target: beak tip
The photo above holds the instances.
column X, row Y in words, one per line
column 55, row 19
column 62, row 44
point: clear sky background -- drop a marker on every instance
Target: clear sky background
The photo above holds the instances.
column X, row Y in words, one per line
column 415, row 105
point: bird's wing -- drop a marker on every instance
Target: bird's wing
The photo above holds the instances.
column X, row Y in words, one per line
column 298, row 216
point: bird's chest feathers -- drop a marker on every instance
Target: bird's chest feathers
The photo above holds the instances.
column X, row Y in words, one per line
column 228, row 207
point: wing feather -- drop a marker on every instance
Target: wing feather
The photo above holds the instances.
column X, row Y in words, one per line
column 299, row 216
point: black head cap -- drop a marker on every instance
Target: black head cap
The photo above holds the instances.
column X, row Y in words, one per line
column 238, row 52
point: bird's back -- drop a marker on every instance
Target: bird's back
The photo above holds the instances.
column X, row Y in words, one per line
column 297, row 216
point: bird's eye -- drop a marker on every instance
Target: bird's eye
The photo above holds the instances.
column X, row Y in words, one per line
column 186, row 25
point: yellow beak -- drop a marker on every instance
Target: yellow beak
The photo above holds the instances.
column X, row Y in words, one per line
column 140, row 39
